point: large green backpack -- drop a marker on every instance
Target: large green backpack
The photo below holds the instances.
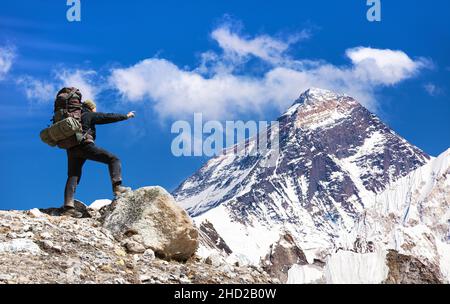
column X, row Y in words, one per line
column 66, row 130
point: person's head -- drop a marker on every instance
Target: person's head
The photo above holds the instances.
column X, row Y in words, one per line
column 90, row 105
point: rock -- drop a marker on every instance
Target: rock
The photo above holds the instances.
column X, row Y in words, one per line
column 120, row 262
column 73, row 272
column 404, row 269
column 152, row 213
column 215, row 259
column 185, row 281
column 120, row 252
column 149, row 254
column 49, row 246
column 5, row 277
column 11, row 235
column 20, row 246
column 210, row 238
column 27, row 228
column 120, row 281
column 145, row 278
column 282, row 256
column 45, row 235
column 134, row 247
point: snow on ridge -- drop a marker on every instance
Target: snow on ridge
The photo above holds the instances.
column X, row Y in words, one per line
column 249, row 241
column 99, row 204
column 421, row 180
column 317, row 94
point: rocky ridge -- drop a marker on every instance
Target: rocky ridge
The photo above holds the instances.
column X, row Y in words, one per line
column 36, row 247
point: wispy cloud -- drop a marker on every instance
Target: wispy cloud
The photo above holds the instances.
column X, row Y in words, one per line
column 7, row 55
column 432, row 89
column 43, row 91
column 215, row 90
column 81, row 79
column 269, row 49
column 37, row 91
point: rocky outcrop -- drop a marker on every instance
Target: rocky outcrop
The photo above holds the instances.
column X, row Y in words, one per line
column 282, row 256
column 39, row 248
column 211, row 239
column 405, row 269
column 148, row 218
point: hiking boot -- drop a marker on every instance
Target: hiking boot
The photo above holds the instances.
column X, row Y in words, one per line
column 69, row 191
column 71, row 211
column 119, row 189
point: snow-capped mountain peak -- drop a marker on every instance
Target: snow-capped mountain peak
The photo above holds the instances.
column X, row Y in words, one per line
column 317, row 108
column 314, row 95
column 313, row 98
column 335, row 159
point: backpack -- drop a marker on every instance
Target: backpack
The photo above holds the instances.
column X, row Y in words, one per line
column 67, row 104
column 66, row 131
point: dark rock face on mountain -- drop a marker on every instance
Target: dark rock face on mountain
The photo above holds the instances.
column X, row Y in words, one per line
column 211, row 239
column 282, row 256
column 404, row 269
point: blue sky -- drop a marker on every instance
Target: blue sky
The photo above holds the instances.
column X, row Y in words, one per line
column 227, row 59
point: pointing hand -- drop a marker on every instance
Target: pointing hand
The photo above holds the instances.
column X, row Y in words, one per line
column 131, row 114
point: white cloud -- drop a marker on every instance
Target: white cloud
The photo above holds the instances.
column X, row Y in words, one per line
column 84, row 80
column 7, row 55
column 44, row 91
column 386, row 67
column 177, row 92
column 217, row 91
column 432, row 89
column 37, row 91
column 265, row 47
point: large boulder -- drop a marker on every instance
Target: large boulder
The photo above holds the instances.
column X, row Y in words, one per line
column 149, row 218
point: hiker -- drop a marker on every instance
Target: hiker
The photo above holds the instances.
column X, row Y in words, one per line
column 87, row 150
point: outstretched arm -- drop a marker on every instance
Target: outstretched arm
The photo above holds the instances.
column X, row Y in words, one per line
column 106, row 118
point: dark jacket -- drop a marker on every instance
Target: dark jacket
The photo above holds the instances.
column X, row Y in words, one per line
column 90, row 119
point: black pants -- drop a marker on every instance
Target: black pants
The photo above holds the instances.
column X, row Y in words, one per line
column 77, row 156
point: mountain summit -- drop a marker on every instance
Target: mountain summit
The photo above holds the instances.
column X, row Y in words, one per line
column 336, row 158
column 333, row 150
